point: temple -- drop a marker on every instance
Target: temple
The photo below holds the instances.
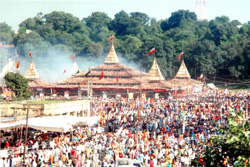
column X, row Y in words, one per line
column 113, row 78
column 156, row 83
column 34, row 81
column 117, row 78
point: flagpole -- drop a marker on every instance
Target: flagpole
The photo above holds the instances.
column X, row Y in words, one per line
column 117, row 83
column 117, row 92
column 88, row 89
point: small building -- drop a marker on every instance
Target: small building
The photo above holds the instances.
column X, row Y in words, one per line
column 182, row 81
column 156, row 85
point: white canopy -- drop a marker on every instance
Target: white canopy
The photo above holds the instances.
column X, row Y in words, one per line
column 53, row 123
column 211, row 86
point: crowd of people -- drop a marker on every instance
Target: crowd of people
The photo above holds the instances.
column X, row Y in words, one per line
column 163, row 132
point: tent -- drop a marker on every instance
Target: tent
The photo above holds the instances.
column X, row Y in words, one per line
column 53, row 123
column 211, row 86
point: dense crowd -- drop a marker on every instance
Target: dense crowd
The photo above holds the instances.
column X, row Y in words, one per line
column 164, row 132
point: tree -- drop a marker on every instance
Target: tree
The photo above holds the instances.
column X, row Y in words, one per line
column 97, row 20
column 95, row 49
column 7, row 34
column 233, row 143
column 120, row 23
column 18, row 84
column 131, row 46
column 142, row 18
column 61, row 21
column 181, row 18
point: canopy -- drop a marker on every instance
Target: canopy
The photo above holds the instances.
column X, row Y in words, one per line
column 211, row 86
column 53, row 123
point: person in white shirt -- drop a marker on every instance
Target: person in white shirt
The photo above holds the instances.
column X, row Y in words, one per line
column 146, row 159
column 52, row 144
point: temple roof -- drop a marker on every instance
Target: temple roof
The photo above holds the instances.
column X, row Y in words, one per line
column 159, row 85
column 155, row 72
column 112, row 57
column 182, row 79
column 31, row 72
column 182, row 72
column 37, row 83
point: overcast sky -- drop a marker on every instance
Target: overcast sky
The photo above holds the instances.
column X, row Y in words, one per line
column 13, row 12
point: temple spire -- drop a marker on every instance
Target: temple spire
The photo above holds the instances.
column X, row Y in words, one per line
column 31, row 72
column 155, row 73
column 182, row 72
column 112, row 57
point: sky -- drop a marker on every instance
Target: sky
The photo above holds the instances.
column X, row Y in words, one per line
column 13, row 12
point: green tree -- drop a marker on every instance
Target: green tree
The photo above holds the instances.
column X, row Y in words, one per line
column 181, row 18
column 233, row 143
column 97, row 20
column 95, row 49
column 131, row 46
column 61, row 21
column 120, row 23
column 7, row 35
column 18, row 84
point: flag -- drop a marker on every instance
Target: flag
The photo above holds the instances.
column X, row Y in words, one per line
column 111, row 38
column 117, row 77
column 17, row 63
column 182, row 53
column 87, row 73
column 64, row 71
column 151, row 51
column 30, row 54
column 101, row 75
column 201, row 77
column 73, row 56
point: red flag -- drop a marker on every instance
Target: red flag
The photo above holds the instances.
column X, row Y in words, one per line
column 117, row 77
column 111, row 38
column 101, row 75
column 17, row 63
column 151, row 51
column 182, row 53
column 30, row 54
column 73, row 56
column 64, row 71
column 201, row 77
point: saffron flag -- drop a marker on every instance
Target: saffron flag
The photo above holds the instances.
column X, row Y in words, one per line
column 151, row 51
column 182, row 53
column 64, row 71
column 101, row 75
column 111, row 38
column 201, row 77
column 30, row 54
column 73, row 56
column 117, row 77
column 17, row 63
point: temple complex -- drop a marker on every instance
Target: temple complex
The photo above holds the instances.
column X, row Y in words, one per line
column 113, row 78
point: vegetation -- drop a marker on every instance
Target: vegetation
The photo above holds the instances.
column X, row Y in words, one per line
column 18, row 84
column 233, row 143
column 219, row 47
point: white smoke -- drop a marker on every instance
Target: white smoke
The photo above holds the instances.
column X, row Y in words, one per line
column 8, row 67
